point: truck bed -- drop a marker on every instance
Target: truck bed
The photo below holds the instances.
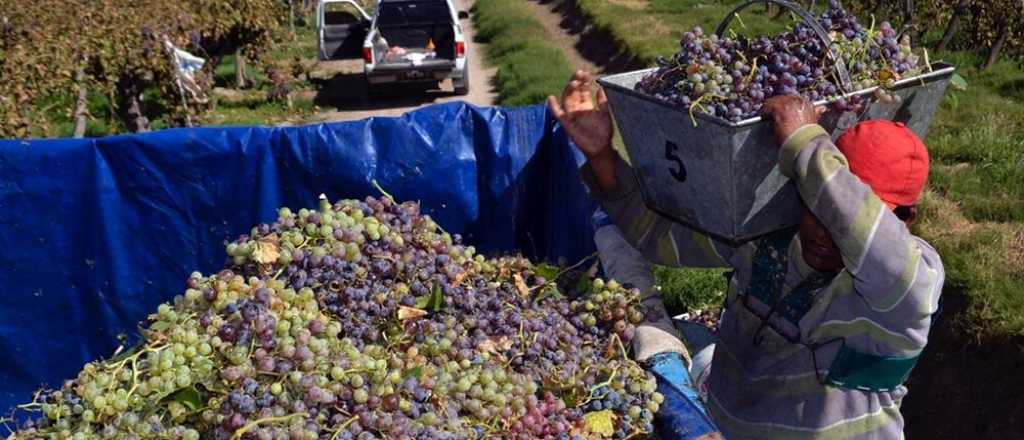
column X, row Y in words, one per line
column 416, row 37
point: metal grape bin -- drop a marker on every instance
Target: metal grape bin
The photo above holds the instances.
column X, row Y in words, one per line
column 721, row 177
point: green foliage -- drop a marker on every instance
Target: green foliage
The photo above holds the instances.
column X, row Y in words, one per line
column 529, row 67
column 979, row 150
column 257, row 110
column 691, row 289
column 981, row 20
column 114, row 48
column 647, row 29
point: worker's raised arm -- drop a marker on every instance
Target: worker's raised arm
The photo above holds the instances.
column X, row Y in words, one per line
column 611, row 181
column 897, row 276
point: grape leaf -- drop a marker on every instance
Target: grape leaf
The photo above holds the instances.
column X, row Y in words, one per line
column 432, row 302
column 189, row 397
column 495, row 346
column 408, row 313
column 413, row 372
column 547, row 271
column 958, row 82
column 569, row 393
column 600, row 422
column 266, row 251
column 550, row 290
column 436, row 302
column 422, row 301
column 584, row 285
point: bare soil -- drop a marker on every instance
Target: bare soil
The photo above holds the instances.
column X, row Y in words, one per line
column 343, row 94
column 586, row 46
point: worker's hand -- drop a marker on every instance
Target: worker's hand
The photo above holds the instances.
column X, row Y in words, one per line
column 588, row 124
column 789, row 113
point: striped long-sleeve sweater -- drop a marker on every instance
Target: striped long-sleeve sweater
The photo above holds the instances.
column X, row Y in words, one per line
column 795, row 344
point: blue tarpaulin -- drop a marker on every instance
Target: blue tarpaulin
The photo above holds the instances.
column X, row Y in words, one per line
column 95, row 233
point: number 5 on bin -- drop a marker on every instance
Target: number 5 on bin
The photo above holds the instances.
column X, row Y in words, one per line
column 679, row 172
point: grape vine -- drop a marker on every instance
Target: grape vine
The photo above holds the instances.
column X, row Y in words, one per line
column 115, row 48
column 995, row 26
column 731, row 78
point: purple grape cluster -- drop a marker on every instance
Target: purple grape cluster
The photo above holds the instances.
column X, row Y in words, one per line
column 365, row 320
column 731, row 78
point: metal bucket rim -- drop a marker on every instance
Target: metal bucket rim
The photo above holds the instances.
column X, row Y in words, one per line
column 939, row 70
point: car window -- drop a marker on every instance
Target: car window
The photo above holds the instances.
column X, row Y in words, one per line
column 413, row 13
column 341, row 17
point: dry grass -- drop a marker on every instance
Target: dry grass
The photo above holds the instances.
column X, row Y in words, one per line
column 636, row 5
column 982, row 258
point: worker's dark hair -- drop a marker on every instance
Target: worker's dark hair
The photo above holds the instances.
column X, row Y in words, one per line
column 904, row 212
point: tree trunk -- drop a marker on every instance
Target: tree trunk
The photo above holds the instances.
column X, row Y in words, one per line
column 291, row 17
column 908, row 17
column 954, row 23
column 1004, row 34
column 82, row 104
column 130, row 108
column 239, row 69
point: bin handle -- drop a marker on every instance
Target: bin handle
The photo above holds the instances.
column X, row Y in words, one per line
column 808, row 19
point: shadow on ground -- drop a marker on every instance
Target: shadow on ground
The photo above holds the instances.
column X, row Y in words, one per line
column 965, row 388
column 1013, row 89
column 350, row 91
column 595, row 45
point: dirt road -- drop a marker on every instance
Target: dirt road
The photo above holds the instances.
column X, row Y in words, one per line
column 342, row 88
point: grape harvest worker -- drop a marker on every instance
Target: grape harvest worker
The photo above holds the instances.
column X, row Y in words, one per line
column 823, row 322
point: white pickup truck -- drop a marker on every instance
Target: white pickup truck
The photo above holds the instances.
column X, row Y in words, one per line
column 404, row 41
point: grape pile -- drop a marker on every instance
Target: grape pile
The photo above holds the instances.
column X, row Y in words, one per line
column 732, row 77
column 365, row 320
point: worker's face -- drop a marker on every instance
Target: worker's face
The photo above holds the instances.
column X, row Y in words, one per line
column 819, row 251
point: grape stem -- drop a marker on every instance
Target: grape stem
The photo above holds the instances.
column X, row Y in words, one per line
column 10, row 430
column 740, row 20
column 34, row 404
column 753, row 71
column 343, row 426
column 636, row 434
column 248, row 426
column 622, row 347
column 593, row 389
column 699, row 105
column 135, row 378
column 385, row 193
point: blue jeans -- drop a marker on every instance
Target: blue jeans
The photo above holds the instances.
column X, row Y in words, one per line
column 701, row 344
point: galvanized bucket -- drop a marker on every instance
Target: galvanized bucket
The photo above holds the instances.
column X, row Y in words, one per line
column 722, row 178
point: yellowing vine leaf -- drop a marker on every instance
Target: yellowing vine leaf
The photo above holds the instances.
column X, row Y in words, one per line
column 494, row 346
column 266, row 251
column 601, row 423
column 409, row 313
column 521, row 286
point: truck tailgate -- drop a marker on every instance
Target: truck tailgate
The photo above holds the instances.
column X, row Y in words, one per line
column 426, row 65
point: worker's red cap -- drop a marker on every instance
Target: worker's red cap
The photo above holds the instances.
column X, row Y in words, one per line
column 889, row 158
